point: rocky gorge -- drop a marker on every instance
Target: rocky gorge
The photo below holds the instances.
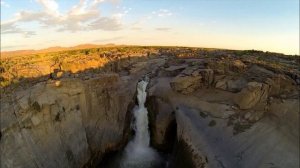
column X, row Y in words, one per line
column 206, row 108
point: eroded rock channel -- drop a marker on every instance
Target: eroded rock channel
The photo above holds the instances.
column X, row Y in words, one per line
column 203, row 112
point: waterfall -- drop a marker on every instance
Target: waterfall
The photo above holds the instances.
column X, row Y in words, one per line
column 138, row 153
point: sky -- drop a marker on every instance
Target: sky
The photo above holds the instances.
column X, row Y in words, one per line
column 267, row 25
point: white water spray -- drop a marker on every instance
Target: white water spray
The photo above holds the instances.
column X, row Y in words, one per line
column 138, row 153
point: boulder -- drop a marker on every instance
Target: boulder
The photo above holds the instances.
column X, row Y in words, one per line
column 207, row 76
column 238, row 66
column 229, row 83
column 185, row 84
column 254, row 115
column 172, row 70
column 281, row 84
column 176, row 67
column 57, row 83
column 221, row 84
column 236, row 85
column 258, row 73
column 251, row 95
column 189, row 70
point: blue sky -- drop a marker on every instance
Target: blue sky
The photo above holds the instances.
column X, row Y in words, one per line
column 268, row 25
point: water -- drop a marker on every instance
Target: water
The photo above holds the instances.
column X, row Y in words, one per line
column 138, row 153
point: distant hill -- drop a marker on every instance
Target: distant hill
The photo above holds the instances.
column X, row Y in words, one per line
column 6, row 54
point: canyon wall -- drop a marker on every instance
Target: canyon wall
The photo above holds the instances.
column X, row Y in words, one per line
column 68, row 122
column 64, row 123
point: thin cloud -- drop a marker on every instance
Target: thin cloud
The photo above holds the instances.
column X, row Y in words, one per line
column 163, row 29
column 106, row 23
column 83, row 16
column 4, row 4
column 10, row 27
column 137, row 25
column 162, row 13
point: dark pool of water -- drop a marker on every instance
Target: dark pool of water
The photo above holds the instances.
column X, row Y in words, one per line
column 116, row 160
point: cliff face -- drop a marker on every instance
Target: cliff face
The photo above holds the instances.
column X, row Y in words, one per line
column 62, row 124
column 69, row 122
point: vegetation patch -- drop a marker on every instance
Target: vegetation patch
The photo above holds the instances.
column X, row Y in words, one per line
column 212, row 123
column 57, row 117
column 36, row 106
column 239, row 128
column 203, row 115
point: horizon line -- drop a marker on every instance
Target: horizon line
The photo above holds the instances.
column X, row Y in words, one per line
column 66, row 47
